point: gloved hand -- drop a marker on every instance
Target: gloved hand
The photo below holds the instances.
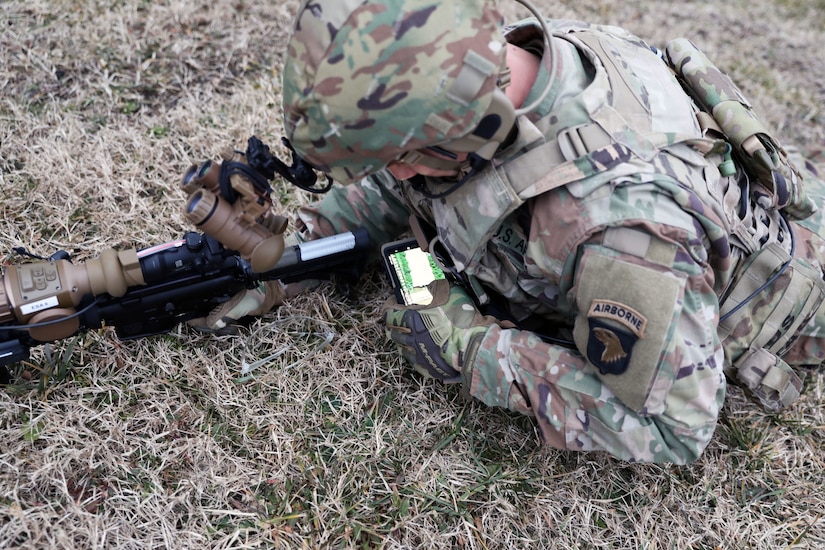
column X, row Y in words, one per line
column 247, row 303
column 440, row 340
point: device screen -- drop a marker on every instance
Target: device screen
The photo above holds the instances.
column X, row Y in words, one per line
column 411, row 270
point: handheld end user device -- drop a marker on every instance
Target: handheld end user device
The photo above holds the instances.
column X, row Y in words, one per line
column 410, row 270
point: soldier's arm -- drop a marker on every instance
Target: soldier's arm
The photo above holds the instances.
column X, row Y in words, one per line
column 645, row 382
column 374, row 203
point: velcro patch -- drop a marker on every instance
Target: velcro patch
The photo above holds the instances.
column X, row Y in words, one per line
column 627, row 312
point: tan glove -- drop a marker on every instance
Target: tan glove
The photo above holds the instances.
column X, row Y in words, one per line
column 224, row 319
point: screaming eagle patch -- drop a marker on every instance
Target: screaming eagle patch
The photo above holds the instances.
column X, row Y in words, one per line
column 609, row 348
column 614, row 330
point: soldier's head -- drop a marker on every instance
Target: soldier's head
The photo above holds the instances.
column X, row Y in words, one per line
column 372, row 82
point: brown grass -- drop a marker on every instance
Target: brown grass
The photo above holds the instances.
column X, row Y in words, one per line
column 157, row 444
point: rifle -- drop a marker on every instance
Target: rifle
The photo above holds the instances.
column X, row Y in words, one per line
column 150, row 291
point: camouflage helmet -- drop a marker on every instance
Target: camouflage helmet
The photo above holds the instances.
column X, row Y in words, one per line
column 366, row 81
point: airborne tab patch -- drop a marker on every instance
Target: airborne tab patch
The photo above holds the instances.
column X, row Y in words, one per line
column 609, row 348
column 622, row 314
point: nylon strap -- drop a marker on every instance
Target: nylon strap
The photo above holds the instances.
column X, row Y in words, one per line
column 770, row 379
column 808, row 310
column 754, row 275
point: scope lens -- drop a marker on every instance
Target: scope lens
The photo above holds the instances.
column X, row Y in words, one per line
column 194, row 200
column 189, row 176
column 204, row 169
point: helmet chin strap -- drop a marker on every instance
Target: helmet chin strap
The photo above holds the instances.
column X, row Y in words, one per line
column 469, row 168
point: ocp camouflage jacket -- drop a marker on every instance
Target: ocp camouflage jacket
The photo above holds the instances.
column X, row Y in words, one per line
column 609, row 223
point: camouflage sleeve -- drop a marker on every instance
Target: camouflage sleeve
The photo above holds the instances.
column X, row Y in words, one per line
column 374, row 203
column 645, row 382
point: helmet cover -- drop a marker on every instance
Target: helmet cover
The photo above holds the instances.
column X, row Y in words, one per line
column 366, row 80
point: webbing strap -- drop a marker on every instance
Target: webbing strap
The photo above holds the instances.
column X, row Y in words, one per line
column 475, row 71
column 580, row 140
column 529, row 174
column 808, row 310
column 789, row 299
column 590, row 149
column 770, row 379
column 754, row 275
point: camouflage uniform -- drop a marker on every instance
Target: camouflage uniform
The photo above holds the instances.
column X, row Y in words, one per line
column 624, row 243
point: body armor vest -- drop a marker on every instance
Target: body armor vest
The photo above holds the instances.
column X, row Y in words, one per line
column 642, row 124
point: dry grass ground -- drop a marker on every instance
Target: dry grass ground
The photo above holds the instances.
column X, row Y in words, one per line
column 156, row 444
